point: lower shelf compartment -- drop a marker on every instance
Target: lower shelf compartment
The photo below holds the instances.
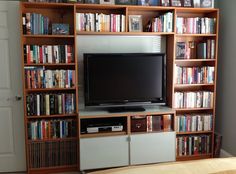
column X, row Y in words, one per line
column 193, row 157
column 52, row 154
column 102, row 134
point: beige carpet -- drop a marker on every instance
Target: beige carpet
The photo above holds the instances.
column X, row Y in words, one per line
column 207, row 166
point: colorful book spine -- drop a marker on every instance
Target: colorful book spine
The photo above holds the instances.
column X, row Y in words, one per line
column 37, row 77
column 48, row 54
column 193, row 145
column 50, row 104
column 193, row 122
column 99, row 22
column 199, row 99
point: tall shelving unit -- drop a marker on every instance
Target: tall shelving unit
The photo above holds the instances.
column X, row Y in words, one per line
column 195, row 61
column 49, row 67
column 66, row 13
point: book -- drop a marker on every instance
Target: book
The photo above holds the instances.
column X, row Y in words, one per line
column 202, row 50
column 167, row 122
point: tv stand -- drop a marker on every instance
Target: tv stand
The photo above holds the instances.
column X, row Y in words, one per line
column 133, row 145
column 126, row 109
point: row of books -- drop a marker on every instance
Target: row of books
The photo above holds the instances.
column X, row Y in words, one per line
column 193, row 123
column 194, row 75
column 199, row 99
column 195, row 25
column 34, row 23
column 48, row 54
column 96, row 22
column 51, row 129
column 163, row 23
column 193, row 145
column 37, row 77
column 159, row 123
column 50, row 104
column 52, row 154
column 192, row 49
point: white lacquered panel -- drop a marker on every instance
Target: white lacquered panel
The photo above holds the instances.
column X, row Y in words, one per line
column 103, row 152
column 152, row 148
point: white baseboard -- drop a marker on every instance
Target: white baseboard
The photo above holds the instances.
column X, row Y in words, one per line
column 224, row 154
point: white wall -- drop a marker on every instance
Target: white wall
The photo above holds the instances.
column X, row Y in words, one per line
column 115, row 44
column 226, row 89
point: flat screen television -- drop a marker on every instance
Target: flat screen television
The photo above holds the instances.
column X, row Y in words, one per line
column 124, row 79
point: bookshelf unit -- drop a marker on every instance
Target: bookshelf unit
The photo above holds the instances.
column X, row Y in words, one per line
column 67, row 13
column 195, row 124
column 49, row 68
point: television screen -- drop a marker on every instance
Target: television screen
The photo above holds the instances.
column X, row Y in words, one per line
column 124, row 78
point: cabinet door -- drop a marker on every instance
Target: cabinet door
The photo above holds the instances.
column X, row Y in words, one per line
column 152, row 148
column 104, row 152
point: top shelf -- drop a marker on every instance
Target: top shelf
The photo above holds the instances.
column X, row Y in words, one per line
column 47, row 5
column 101, row 6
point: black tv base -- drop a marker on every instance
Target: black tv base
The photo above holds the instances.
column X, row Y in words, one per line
column 126, row 109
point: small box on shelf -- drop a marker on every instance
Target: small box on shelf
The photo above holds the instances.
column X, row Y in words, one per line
column 61, row 29
column 138, row 124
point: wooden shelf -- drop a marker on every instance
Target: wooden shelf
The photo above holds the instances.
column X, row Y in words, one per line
column 193, row 157
column 51, row 116
column 195, row 35
column 196, row 10
column 53, row 139
column 130, row 7
column 191, row 133
column 124, row 33
column 49, row 89
column 195, row 60
column 50, row 5
column 192, row 109
column 66, row 168
column 102, row 134
column 191, row 85
column 138, row 133
column 51, row 64
column 48, row 36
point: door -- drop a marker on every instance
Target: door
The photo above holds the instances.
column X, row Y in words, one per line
column 12, row 151
column 103, row 152
column 152, row 148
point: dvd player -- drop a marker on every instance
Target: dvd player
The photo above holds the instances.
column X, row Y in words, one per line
column 105, row 128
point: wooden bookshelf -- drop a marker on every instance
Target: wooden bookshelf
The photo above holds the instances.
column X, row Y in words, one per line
column 66, row 13
column 43, row 154
column 195, row 61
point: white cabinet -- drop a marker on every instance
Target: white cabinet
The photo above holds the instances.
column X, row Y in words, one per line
column 152, row 148
column 104, row 152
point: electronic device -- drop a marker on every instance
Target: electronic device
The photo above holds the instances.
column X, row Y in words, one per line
column 104, row 128
column 124, row 79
